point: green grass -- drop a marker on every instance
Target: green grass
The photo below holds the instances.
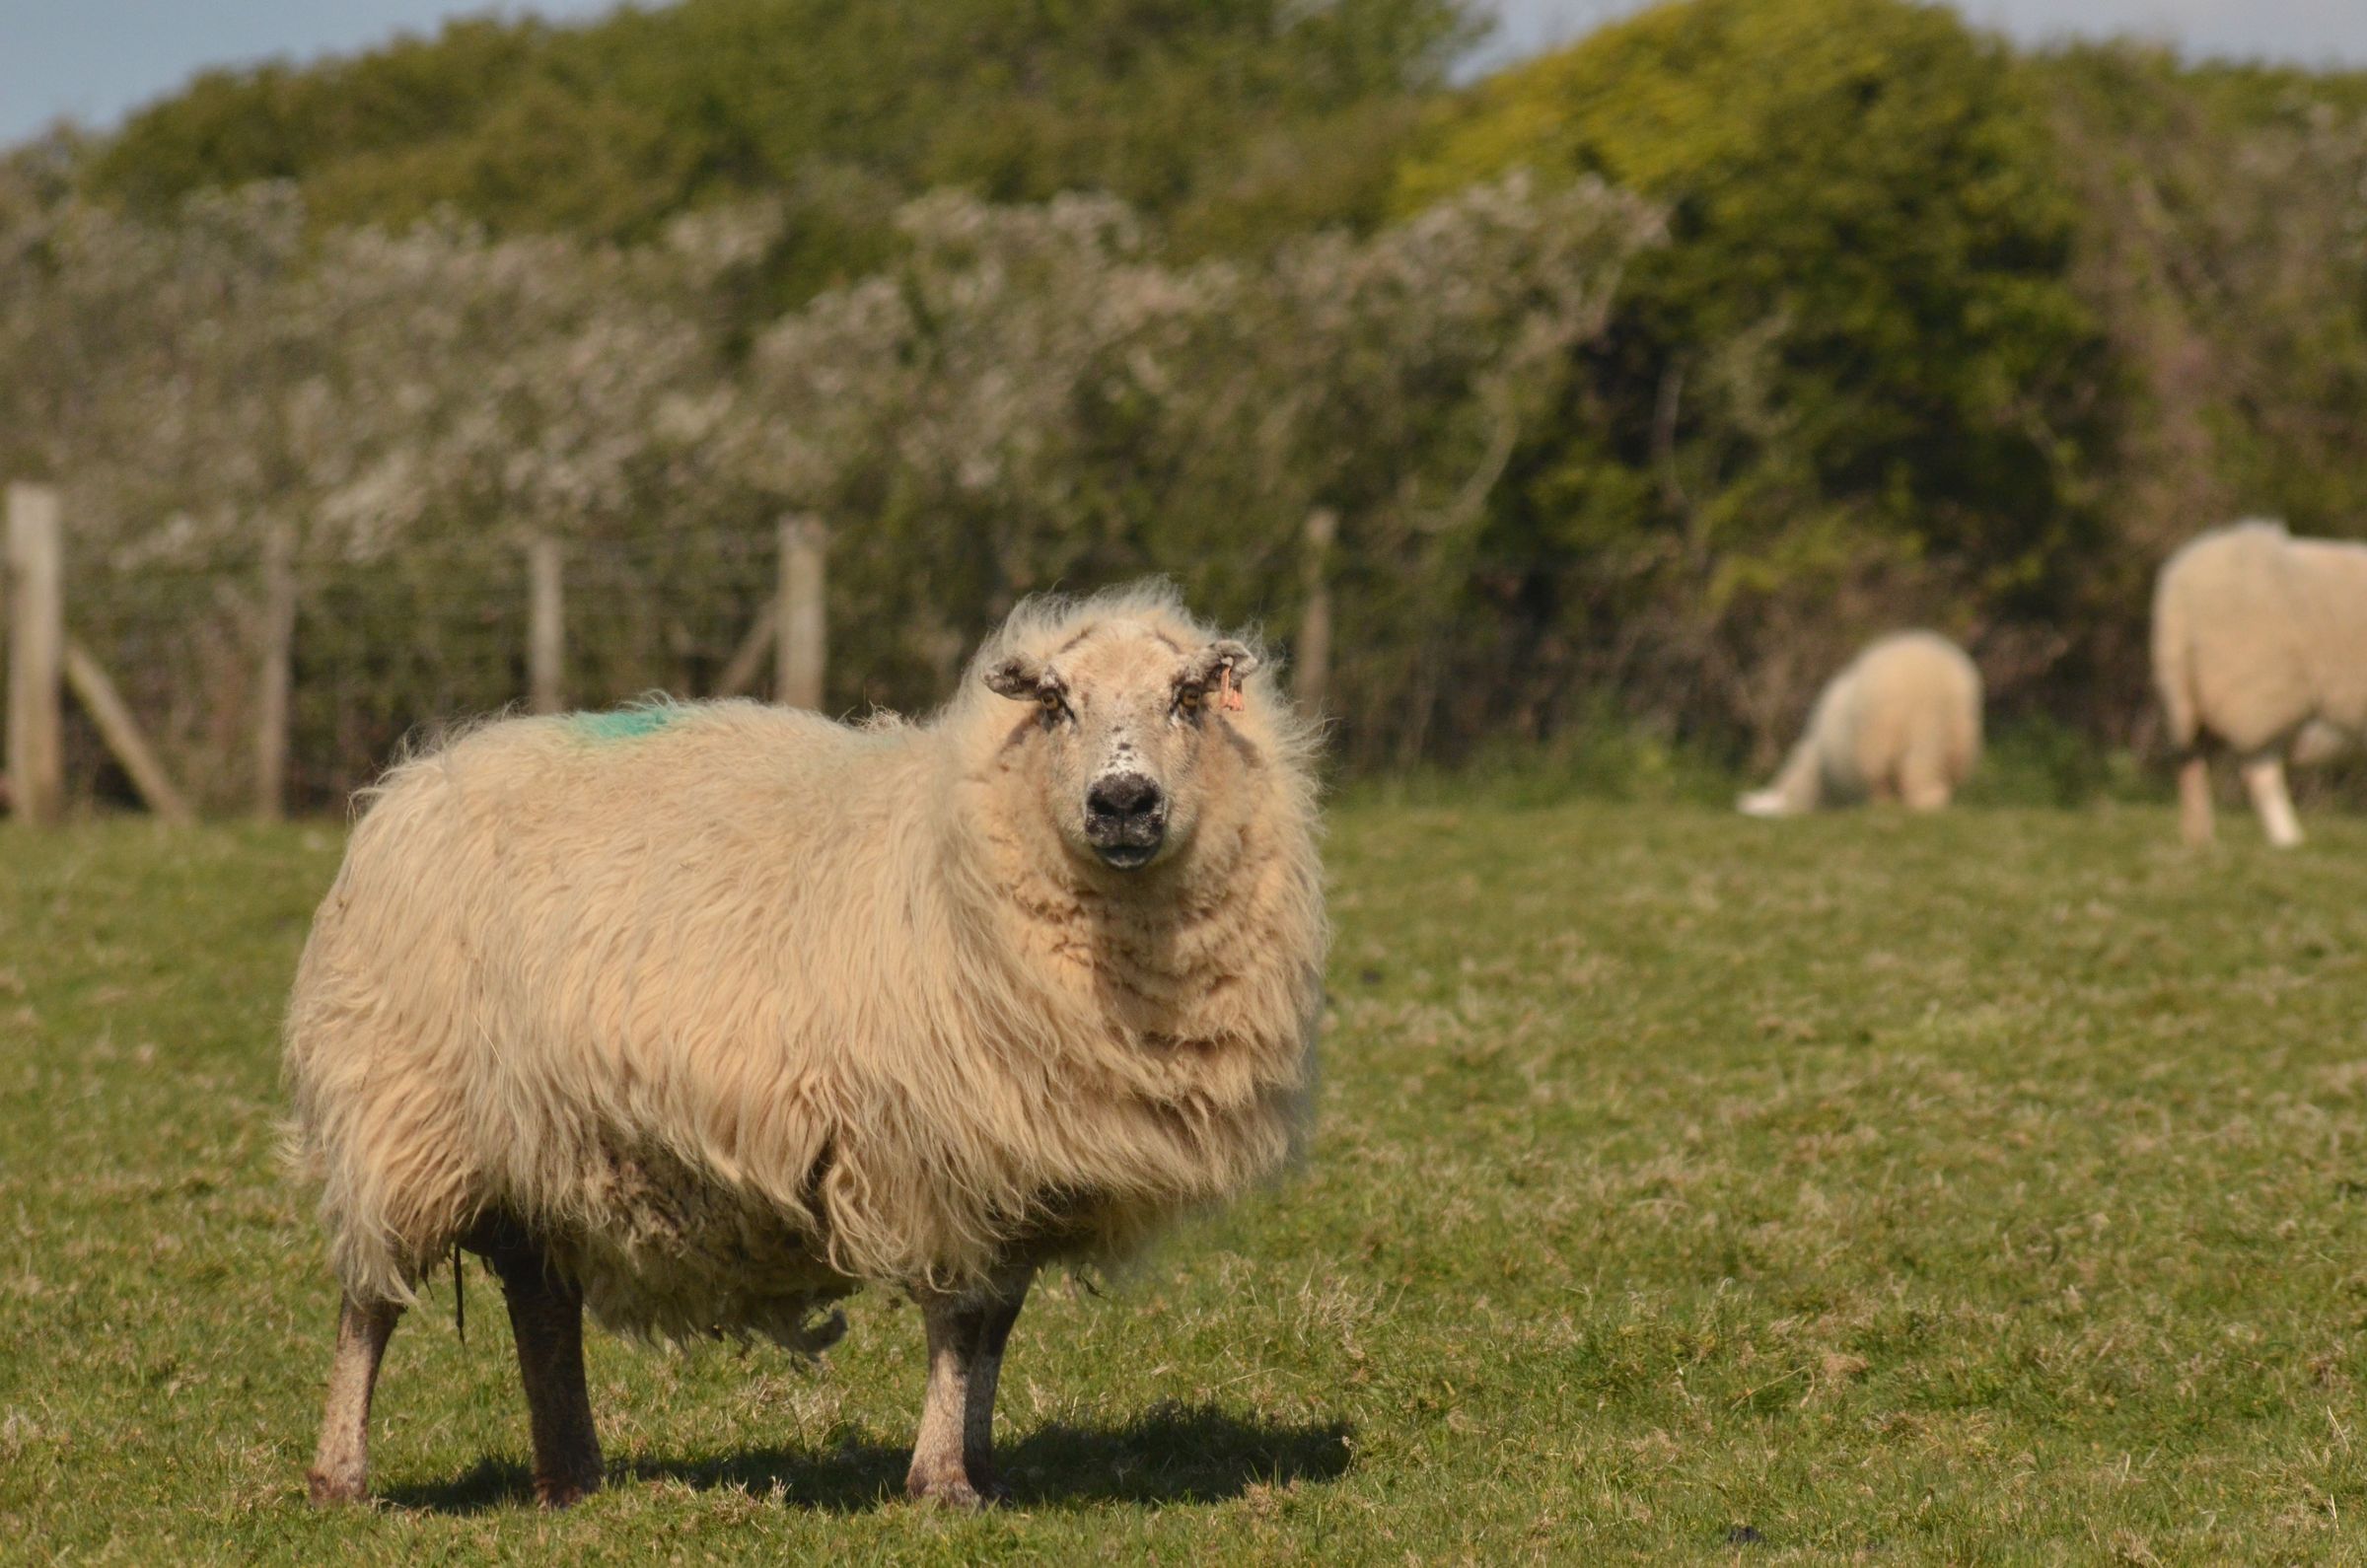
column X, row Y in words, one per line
column 1686, row 1187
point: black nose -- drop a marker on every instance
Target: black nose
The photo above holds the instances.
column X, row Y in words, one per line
column 1125, row 820
column 1124, row 796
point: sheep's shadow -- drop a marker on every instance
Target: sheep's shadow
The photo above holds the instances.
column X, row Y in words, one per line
column 1171, row 1453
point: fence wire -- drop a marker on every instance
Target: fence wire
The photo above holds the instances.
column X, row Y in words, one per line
column 385, row 652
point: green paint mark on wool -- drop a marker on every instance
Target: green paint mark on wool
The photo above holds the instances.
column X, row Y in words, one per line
column 625, row 724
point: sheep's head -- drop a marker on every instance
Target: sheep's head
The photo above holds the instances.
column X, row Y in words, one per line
column 1124, row 717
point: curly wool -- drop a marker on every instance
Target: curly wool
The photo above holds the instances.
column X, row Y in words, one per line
column 739, row 1009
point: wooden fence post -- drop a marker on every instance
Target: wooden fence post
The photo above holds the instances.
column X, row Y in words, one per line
column 37, row 756
column 272, row 673
column 1311, row 679
column 801, row 643
column 546, row 625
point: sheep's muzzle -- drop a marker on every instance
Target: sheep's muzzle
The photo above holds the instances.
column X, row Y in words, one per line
column 1125, row 820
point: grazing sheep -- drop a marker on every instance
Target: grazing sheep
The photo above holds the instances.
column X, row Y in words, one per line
column 703, row 1017
column 2259, row 640
column 1901, row 722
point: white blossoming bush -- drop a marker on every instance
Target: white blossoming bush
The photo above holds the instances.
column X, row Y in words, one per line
column 1031, row 400
column 1026, row 397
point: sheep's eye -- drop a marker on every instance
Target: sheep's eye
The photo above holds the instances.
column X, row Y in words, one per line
column 1052, row 703
column 1189, row 699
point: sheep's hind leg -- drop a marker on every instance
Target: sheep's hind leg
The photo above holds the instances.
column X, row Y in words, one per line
column 953, row 1457
column 1924, row 779
column 340, row 1471
column 2264, row 777
column 546, row 1318
column 2195, row 799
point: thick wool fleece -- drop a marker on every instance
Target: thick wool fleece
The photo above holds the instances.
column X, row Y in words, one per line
column 2258, row 635
column 738, row 1009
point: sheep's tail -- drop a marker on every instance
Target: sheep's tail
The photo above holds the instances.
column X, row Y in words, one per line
column 2173, row 661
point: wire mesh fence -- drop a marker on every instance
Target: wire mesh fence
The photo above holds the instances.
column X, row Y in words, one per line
column 380, row 653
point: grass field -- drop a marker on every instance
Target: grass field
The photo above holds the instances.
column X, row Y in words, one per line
column 1686, row 1187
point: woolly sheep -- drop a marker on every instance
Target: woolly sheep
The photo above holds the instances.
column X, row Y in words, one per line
column 1901, row 722
column 2259, row 639
column 706, row 1016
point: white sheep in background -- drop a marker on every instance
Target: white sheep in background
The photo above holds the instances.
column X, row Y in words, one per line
column 2259, row 639
column 1900, row 722
column 706, row 1016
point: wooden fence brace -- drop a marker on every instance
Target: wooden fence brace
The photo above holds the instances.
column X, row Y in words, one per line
column 547, row 626
column 37, row 756
column 274, row 677
column 1310, row 677
column 748, row 660
column 801, row 645
column 121, row 732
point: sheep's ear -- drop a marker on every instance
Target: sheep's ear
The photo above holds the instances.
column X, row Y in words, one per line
column 1203, row 667
column 1018, row 678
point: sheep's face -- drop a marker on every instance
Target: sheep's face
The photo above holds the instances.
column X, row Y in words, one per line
column 1123, row 716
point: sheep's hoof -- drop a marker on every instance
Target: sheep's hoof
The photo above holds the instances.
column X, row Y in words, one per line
column 564, row 1494
column 955, row 1491
column 327, row 1491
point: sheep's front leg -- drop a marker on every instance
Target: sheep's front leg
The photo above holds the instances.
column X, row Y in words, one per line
column 340, row 1471
column 953, row 1458
column 546, row 1318
column 986, row 1373
column 2195, row 799
column 2264, row 778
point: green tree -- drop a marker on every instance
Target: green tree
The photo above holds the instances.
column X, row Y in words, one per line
column 2223, row 249
column 1859, row 359
column 1242, row 119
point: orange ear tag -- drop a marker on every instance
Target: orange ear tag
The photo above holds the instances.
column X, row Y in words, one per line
column 1227, row 698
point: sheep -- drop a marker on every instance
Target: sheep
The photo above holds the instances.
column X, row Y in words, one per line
column 704, row 1015
column 2260, row 641
column 1901, row 722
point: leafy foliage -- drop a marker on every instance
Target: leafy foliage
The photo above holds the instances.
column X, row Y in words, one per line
column 2220, row 249
column 1234, row 115
column 1859, row 359
column 2224, row 250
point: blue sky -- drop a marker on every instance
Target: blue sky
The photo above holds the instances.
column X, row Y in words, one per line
column 91, row 60
column 2305, row 32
